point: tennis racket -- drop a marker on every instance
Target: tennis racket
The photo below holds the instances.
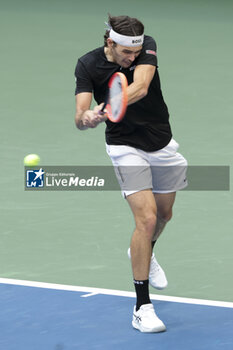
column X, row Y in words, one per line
column 116, row 102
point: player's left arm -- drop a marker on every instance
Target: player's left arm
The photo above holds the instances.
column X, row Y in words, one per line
column 143, row 74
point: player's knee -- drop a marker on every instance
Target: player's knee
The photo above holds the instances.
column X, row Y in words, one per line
column 146, row 224
column 165, row 215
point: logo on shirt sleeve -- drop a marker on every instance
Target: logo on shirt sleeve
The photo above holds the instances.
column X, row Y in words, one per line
column 151, row 52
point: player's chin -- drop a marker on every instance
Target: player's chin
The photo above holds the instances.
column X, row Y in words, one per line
column 126, row 64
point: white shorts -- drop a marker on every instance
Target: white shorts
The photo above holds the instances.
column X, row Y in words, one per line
column 163, row 171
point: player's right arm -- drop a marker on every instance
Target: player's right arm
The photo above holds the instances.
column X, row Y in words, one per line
column 85, row 117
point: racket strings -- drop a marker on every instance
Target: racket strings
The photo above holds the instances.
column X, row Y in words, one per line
column 115, row 98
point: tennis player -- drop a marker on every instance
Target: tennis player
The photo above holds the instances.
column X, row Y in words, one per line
column 144, row 139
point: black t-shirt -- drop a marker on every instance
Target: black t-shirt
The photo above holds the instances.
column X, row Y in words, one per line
column 146, row 122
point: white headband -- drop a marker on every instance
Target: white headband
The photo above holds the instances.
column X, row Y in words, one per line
column 125, row 40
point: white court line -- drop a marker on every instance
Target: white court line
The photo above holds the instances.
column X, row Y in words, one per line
column 94, row 291
column 88, row 295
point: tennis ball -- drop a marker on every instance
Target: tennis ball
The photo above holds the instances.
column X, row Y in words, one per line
column 31, row 160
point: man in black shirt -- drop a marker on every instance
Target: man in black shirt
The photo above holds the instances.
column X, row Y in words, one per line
column 142, row 139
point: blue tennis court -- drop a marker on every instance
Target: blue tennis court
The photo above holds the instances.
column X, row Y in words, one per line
column 51, row 319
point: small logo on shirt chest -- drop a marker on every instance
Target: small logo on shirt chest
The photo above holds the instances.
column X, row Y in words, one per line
column 132, row 68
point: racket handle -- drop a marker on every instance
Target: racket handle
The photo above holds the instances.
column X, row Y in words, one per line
column 103, row 108
column 106, row 102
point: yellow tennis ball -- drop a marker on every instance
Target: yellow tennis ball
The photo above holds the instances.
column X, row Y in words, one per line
column 31, row 160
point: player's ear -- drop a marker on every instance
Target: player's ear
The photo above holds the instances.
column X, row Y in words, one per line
column 110, row 42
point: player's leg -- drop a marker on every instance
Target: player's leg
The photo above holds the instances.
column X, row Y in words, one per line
column 144, row 209
column 134, row 175
column 164, row 203
column 168, row 169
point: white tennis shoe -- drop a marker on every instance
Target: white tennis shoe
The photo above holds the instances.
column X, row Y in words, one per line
column 157, row 277
column 146, row 320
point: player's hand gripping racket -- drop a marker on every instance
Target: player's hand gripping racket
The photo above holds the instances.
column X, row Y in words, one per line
column 116, row 102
